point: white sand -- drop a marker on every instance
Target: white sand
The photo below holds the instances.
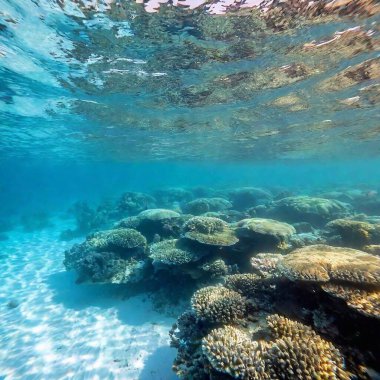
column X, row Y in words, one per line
column 61, row 330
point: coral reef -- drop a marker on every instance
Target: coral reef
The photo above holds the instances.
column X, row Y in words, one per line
column 355, row 233
column 264, row 232
column 131, row 203
column 245, row 197
column 218, row 304
column 172, row 252
column 271, row 300
column 202, row 205
column 323, row 263
column 209, row 231
column 364, row 301
column 114, row 256
column 308, row 209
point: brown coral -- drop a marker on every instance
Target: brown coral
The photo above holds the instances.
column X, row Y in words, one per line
column 231, row 350
column 246, row 284
column 355, row 233
column 296, row 353
column 218, row 304
column 366, row 302
column 209, row 231
column 323, row 263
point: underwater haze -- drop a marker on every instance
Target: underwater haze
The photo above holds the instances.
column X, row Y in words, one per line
column 189, row 189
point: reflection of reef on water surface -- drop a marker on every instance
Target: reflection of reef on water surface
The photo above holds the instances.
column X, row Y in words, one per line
column 264, row 80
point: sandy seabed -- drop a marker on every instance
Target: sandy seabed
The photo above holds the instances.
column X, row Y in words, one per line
column 61, row 330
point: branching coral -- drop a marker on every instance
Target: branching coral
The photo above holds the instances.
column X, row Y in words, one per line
column 231, row 350
column 218, row 304
column 296, row 353
column 246, row 284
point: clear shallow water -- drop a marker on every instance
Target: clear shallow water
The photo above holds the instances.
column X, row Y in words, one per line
column 102, row 98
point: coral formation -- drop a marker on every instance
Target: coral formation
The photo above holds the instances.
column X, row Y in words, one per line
column 209, row 231
column 296, row 353
column 264, row 231
column 355, row 233
column 246, row 284
column 308, row 209
column 218, row 304
column 323, row 263
column 365, row 301
column 245, row 197
column 202, row 205
column 172, row 252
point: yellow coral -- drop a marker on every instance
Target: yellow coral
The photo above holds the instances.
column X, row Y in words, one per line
column 218, row 304
column 366, row 302
column 323, row 263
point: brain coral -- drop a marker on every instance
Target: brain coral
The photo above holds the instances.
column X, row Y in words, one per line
column 323, row 263
column 218, row 304
column 210, row 231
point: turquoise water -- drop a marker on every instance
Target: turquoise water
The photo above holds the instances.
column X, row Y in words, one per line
column 122, row 115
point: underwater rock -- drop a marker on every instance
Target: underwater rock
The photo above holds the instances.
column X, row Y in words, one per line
column 218, row 304
column 209, row 231
column 13, row 304
column 308, row 209
column 264, row 232
column 364, row 71
column 202, row 205
column 355, row 233
column 245, row 197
